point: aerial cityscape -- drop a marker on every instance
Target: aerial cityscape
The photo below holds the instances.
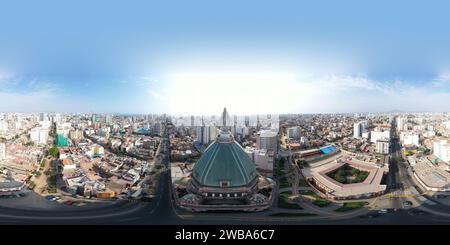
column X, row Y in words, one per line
column 227, row 113
column 288, row 168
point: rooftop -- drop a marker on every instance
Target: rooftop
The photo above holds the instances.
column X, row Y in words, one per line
column 224, row 164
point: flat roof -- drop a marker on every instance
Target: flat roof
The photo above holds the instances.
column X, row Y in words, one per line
column 370, row 185
column 431, row 174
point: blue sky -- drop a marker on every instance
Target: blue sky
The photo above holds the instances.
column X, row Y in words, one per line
column 179, row 56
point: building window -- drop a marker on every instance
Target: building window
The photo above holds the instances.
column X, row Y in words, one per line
column 224, row 183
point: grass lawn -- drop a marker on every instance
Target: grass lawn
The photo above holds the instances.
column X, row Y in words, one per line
column 292, row 214
column 307, row 193
column 311, row 193
column 283, row 202
column 321, row 202
column 348, row 175
column 348, row 206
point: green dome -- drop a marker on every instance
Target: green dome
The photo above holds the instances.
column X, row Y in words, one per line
column 224, row 164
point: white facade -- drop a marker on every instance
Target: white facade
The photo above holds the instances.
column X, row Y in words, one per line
column 45, row 124
column 357, row 130
column 206, row 134
column 263, row 159
column 441, row 149
column 63, row 128
column 409, row 138
column 446, row 124
column 383, row 146
column 293, row 133
column 242, row 131
column 213, row 132
column 2, row 151
column 376, row 135
column 400, row 123
column 267, row 140
column 3, row 126
column 39, row 135
column 366, row 135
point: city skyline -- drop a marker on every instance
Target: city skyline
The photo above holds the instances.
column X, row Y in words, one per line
column 255, row 57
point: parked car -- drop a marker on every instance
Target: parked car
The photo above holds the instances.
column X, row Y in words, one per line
column 52, row 198
column 49, row 197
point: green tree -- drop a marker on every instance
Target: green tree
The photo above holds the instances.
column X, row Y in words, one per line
column 54, row 151
column 355, row 171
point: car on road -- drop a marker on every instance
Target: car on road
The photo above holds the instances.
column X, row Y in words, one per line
column 52, row 198
column 407, row 203
column 383, row 211
column 49, row 197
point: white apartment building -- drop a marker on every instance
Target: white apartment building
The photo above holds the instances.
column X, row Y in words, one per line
column 3, row 126
column 206, row 134
column 357, row 130
column 366, row 135
column 409, row 138
column 293, row 133
column 2, row 151
column 383, row 146
column 267, row 140
column 39, row 135
column 263, row 159
column 401, row 123
column 63, row 128
column 446, row 124
column 441, row 149
column 379, row 134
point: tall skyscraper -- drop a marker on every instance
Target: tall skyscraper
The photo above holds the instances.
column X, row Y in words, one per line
column 204, row 134
column 400, row 123
column 357, row 130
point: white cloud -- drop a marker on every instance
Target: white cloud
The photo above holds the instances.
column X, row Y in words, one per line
column 277, row 92
column 31, row 95
column 156, row 95
column 442, row 80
